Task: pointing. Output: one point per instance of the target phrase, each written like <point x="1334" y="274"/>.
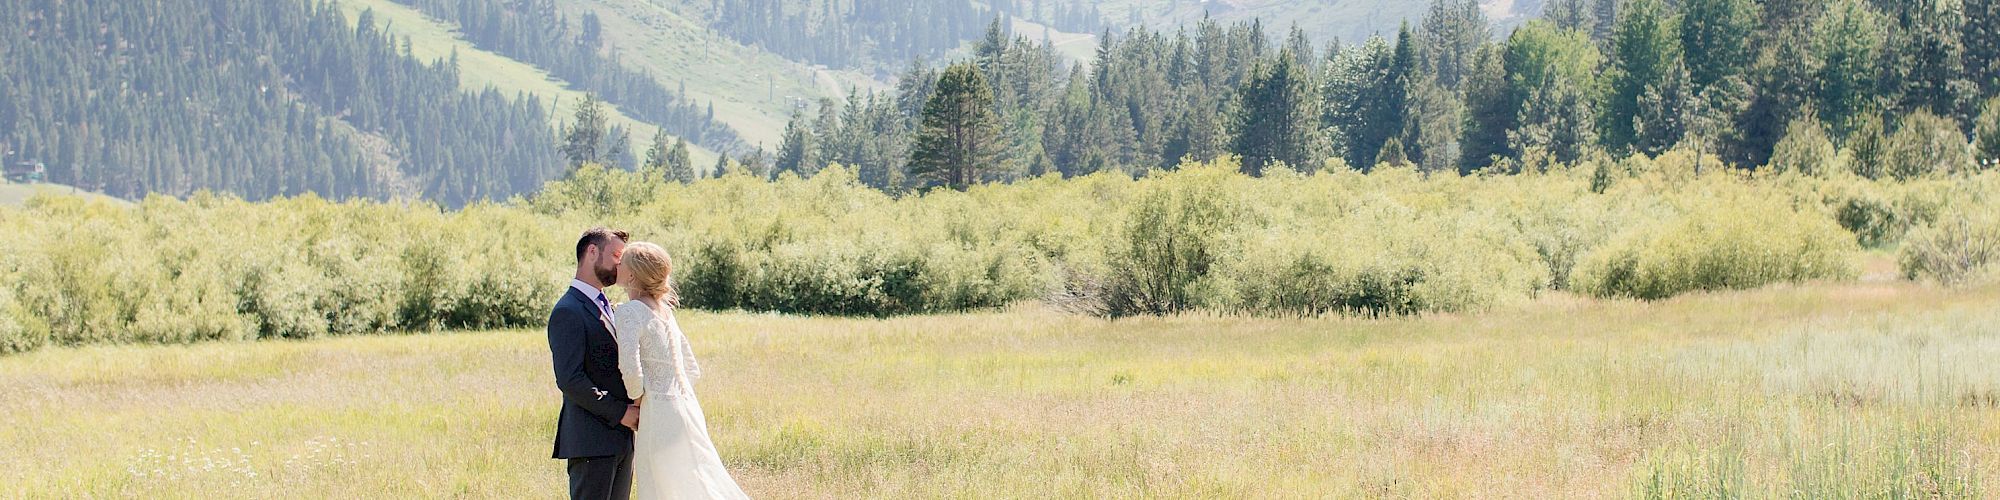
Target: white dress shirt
<point x="596" y="297"/>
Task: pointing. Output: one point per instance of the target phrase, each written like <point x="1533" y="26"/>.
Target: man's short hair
<point x="598" y="236"/>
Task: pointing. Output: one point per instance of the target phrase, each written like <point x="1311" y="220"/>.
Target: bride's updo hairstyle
<point x="652" y="272"/>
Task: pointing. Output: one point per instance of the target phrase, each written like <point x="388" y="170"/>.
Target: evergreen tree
<point x="795" y="149"/>
<point x="1716" y="39"/>
<point x="1453" y="31"/>
<point x="1575" y="15"/>
<point x="1432" y="127"/>
<point x="1349" y="97"/>
<point x="957" y="139"/>
<point x="585" y="137"/>
<point x="1490" y="111"/>
<point x="721" y="166"/>
<point x="1664" y="110"/>
<point x="1847" y="44"/>
<point x="656" y="154"/>
<point x="679" y="165"/>
<point x="1384" y="101"/>
<point x="1644" y="50"/>
<point x="1277" y="119"/>
<point x="1927" y="61"/>
<point x="1981" y="40"/>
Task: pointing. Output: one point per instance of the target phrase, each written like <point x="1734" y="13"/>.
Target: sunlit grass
<point x="1863" y="390"/>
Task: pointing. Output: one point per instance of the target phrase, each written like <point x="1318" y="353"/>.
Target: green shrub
<point x="1806" y="150"/>
<point x="1961" y="247"/>
<point x="1867" y="148"/>
<point x="1388" y="242"/>
<point x="1171" y="240"/>
<point x="1927" y="145"/>
<point x="1716" y="245"/>
<point x="13" y="335"/>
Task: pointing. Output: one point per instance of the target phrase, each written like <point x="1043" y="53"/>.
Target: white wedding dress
<point x="673" y="457"/>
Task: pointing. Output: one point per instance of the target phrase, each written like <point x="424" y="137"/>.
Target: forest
<point x="1878" y="88"/>
<point x="261" y="99"/>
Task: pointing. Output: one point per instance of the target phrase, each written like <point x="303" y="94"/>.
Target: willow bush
<point x="1962" y="245"/>
<point x="1202" y="238"/>
<point x="1719" y="231"/>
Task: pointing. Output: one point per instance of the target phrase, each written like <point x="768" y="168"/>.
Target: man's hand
<point x="631" y="420"/>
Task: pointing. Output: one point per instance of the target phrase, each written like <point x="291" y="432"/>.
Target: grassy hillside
<point x="754" y="91"/>
<point x="1831" y="391"/>
<point x="431" y="39"/>
<point x="12" y="195"/>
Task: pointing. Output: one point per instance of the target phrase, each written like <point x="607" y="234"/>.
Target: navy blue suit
<point x="588" y="432"/>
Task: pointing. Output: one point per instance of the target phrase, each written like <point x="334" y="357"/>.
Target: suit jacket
<point x="586" y="368"/>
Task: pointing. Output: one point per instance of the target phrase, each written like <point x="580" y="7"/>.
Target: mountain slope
<point x="258" y="99"/>
<point x="754" y="91"/>
<point x="479" y="69"/>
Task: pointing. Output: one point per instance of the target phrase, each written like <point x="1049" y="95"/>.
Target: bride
<point x="672" y="454"/>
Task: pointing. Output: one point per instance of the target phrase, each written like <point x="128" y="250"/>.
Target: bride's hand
<point x="631" y="420"/>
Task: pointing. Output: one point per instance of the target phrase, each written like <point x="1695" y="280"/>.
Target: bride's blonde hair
<point x="652" y="272"/>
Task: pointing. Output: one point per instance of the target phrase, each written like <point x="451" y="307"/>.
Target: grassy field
<point x="1877" y="389"/>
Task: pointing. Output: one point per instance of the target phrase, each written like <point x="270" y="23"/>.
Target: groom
<point x="594" y="431"/>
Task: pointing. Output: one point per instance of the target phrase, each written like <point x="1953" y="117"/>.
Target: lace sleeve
<point x="630" y="332"/>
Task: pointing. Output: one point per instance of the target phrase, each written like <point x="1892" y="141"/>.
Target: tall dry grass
<point x="1859" y="390"/>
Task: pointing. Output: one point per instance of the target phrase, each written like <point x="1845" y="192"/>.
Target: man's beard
<point x="607" y="276"/>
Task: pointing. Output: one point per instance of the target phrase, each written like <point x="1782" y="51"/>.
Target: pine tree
<point x="679" y="165"/>
<point x="1664" y="109"/>
<point x="1575" y="15"/>
<point x="1277" y="119"/>
<point x="1490" y="111"/>
<point x="1716" y="38"/>
<point x="1928" y="60"/>
<point x="584" y="138"/>
<point x="1645" y="47"/>
<point x="1384" y="101"/>
<point x="1981" y="39"/>
<point x="1847" y="44"/>
<point x="795" y="149"/>
<point x="1453" y="31"/>
<point x="958" y="139"/>
<point x="656" y="154"/>
<point x="721" y="166"/>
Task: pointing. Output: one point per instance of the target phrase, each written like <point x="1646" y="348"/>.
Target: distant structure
<point x="28" y="172"/>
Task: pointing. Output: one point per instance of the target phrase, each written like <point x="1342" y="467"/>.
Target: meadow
<point x="1628" y="328"/>
<point x="1879" y="389"/>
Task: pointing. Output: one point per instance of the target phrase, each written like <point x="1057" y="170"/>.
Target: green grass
<point x="479" y="69"/>
<point x="1872" y="389"/>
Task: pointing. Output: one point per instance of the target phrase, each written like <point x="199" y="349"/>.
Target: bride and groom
<point x="626" y="375"/>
